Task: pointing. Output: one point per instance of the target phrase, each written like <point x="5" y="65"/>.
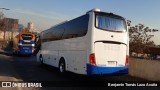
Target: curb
<point x="8" y="53"/>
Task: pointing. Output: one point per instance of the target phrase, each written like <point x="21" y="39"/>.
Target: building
<point x="20" y="27"/>
<point x="9" y="29"/>
<point x="30" y="27"/>
<point x="10" y="24"/>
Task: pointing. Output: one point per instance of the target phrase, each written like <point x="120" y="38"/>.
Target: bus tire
<point x="41" y="60"/>
<point x="62" y="68"/>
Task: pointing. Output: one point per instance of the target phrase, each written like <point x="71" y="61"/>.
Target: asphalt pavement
<point x="27" y="69"/>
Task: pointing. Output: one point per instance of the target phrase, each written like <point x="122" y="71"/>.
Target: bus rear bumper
<point x="23" y="53"/>
<point x="91" y="70"/>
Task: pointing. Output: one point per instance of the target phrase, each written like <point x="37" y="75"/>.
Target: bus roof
<point x="96" y="10"/>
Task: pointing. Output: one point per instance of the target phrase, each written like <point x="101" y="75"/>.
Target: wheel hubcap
<point x="61" y="67"/>
<point x="41" y="60"/>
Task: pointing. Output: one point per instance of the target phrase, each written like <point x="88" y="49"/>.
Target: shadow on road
<point x="6" y="53"/>
<point x="29" y="70"/>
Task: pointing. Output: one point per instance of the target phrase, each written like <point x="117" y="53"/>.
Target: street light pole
<point x="1" y="13"/>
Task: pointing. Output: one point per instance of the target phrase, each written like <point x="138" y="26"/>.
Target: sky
<point x="46" y="13"/>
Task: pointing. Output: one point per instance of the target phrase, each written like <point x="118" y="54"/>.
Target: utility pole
<point x="1" y="12"/>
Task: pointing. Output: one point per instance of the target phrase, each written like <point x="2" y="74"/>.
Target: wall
<point x="8" y="35"/>
<point x="1" y="35"/>
<point x="146" y="69"/>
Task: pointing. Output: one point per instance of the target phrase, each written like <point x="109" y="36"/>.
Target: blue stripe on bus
<point x="23" y="52"/>
<point x="91" y="70"/>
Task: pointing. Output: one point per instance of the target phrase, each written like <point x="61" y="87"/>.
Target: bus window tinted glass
<point x="77" y="27"/>
<point x="108" y="23"/>
<point x="26" y="37"/>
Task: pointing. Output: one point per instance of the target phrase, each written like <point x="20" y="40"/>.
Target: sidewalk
<point x="8" y="53"/>
<point x="7" y="72"/>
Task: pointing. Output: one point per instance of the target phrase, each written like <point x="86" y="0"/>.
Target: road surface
<point x="27" y="69"/>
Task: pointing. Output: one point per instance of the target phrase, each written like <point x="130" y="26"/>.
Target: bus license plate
<point x="112" y="63"/>
<point x="26" y="50"/>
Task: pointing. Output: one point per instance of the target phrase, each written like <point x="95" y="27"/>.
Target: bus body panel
<point x="110" y="55"/>
<point x="92" y="70"/>
<point x="108" y="48"/>
<point x="25" y="50"/>
<point x="72" y="50"/>
<point x="75" y="61"/>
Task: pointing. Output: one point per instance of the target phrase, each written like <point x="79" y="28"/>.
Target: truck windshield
<point x="110" y="23"/>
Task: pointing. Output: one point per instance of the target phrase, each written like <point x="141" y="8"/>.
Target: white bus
<point x="94" y="43"/>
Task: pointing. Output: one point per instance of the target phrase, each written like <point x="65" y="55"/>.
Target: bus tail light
<point x="33" y="50"/>
<point x="19" y="49"/>
<point x="127" y="60"/>
<point x="92" y="59"/>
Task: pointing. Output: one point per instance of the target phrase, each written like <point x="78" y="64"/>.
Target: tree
<point x="1" y="20"/>
<point x="140" y="38"/>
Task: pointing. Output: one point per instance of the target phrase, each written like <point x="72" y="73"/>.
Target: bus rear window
<point x="26" y="37"/>
<point x="110" y="23"/>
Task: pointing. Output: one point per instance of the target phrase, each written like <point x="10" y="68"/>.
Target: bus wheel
<point x="41" y="60"/>
<point x="62" y="68"/>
